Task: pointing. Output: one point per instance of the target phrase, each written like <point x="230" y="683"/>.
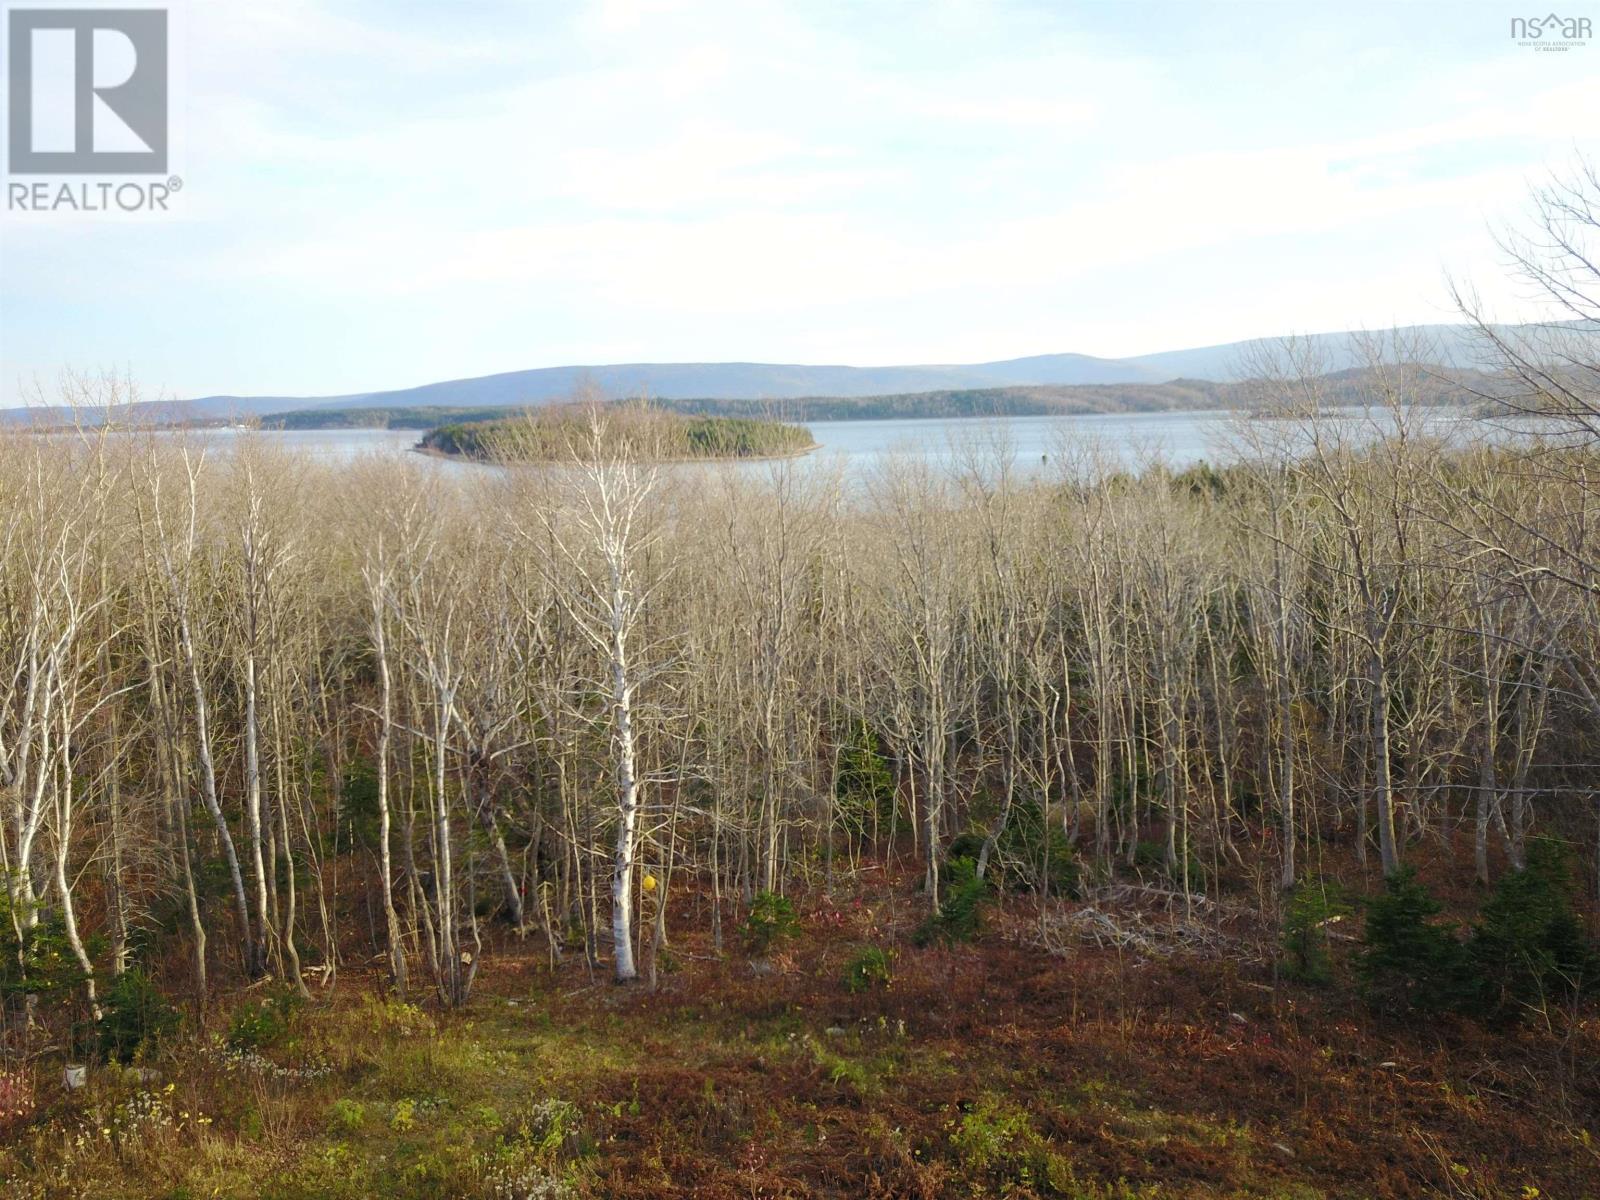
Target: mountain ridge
<point x="759" y="381"/>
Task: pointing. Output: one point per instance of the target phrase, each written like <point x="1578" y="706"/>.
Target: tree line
<point x="259" y="713"/>
<point x="273" y="712"/>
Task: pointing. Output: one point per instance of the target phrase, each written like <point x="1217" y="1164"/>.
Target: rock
<point x="74" y="1077"/>
<point x="834" y="1031"/>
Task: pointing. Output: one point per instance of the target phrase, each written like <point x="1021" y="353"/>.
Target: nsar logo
<point x="1551" y="32"/>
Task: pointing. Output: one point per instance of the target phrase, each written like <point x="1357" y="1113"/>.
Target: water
<point x="1128" y="439"/>
<point x="1182" y="438"/>
<point x="860" y="448"/>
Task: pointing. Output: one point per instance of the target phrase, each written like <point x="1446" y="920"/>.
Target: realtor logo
<point x="87" y="91"/>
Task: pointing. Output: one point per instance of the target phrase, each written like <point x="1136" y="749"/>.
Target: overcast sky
<point x="379" y="194"/>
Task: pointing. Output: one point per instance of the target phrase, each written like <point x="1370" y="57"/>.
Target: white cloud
<point x="786" y="180"/>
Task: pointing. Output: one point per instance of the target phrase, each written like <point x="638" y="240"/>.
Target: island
<point x="635" y="430"/>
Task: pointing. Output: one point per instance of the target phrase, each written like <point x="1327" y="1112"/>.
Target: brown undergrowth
<point x="989" y="1069"/>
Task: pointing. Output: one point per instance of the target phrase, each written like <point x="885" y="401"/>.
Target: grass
<point x="984" y="1071"/>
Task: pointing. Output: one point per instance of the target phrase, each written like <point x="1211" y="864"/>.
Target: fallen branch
<point x="1138" y="920"/>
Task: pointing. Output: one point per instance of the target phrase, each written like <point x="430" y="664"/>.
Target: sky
<point x="383" y="193"/>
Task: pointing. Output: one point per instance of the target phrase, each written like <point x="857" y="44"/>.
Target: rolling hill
<point x="752" y="381"/>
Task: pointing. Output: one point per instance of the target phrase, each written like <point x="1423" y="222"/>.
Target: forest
<point x="590" y="828"/>
<point x="631" y="430"/>
<point x="264" y="725"/>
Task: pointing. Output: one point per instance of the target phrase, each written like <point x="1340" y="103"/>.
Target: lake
<point x="1180" y="439"/>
